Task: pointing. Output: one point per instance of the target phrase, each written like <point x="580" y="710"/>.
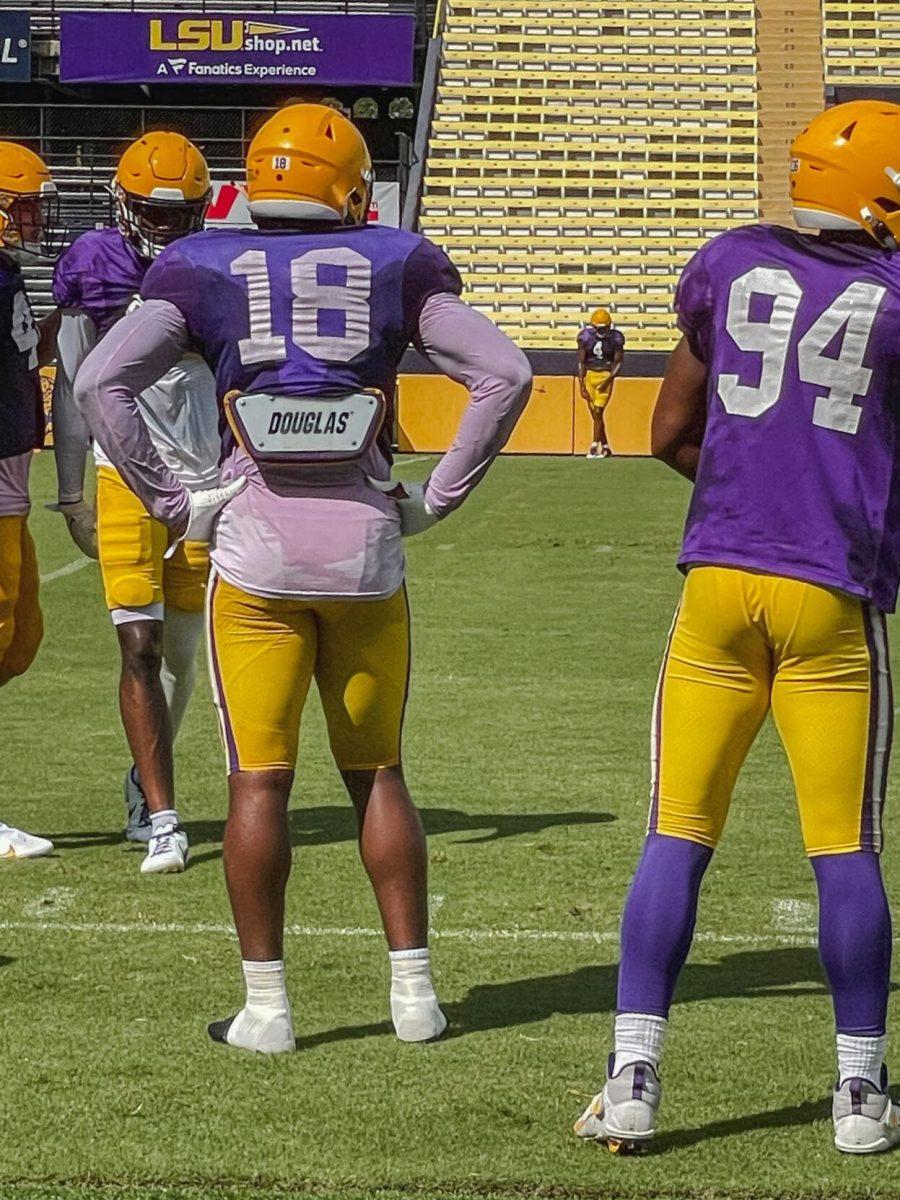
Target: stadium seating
<point x="558" y="178"/>
<point x="861" y="42"/>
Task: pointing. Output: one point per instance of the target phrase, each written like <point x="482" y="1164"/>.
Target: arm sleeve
<point x="134" y="354"/>
<point x="694" y="304"/>
<point x="471" y="350"/>
<point x="71" y="436"/>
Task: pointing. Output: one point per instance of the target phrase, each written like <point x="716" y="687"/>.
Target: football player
<point x="304" y="321"/>
<point x="601" y="349"/>
<point x="29" y="208"/>
<point x="155" y="598"/>
<point x="790" y="358"/>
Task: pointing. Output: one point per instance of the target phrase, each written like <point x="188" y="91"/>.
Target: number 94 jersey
<point x="302" y="312"/>
<point x="799" y="473"/>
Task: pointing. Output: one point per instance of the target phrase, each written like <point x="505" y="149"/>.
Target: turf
<point x="540" y="611"/>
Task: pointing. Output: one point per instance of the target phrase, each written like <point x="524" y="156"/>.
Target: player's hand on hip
<point x="415" y="514"/>
<point x="81" y="522"/>
<point x="206" y="504"/>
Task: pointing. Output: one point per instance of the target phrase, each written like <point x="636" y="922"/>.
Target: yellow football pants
<point x="21" y="622"/>
<point x="599" y="386"/>
<point x="741" y="644"/>
<point x="132" y="548"/>
<point x="264" y="653"/>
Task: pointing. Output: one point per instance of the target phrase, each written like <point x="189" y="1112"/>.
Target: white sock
<point x="860" y="1057"/>
<point x="639" y="1038"/>
<point x="415" y="1010"/>
<point x="159" y="820"/>
<point x="264" y="1023"/>
<point x="178" y="674"/>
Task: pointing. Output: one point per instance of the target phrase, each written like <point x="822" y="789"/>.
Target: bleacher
<point x="579" y="155"/>
<point x="861" y="42"/>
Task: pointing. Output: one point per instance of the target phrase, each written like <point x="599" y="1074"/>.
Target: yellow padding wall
<point x="556" y="421"/>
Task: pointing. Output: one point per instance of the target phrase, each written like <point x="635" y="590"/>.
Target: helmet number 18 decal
<point x="310" y="296"/>
<point x="843" y="378"/>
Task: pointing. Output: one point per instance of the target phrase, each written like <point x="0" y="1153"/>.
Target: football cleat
<point x="417" y="1020"/>
<point x="259" y="1030"/>
<point x="137" y="826"/>
<point x="15" y="843"/>
<point x="592" y="453"/>
<point x="167" y="852"/>
<point x="866" y="1121"/>
<point x="623" y="1115"/>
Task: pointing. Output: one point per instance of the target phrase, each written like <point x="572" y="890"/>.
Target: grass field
<point x="540" y="613"/>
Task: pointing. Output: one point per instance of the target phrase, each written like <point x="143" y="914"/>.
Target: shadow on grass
<point x="590" y="991"/>
<point x="776" y="1118"/>
<point x="333" y="824"/>
<point x="5" y="960"/>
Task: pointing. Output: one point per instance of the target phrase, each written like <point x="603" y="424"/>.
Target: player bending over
<point x="28" y="225"/>
<point x="304" y="322"/>
<point x="601" y="349"/>
<point x="155" y="598"/>
<point x="791" y="354"/>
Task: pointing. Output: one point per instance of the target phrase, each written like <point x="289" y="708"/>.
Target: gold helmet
<point x="29" y="203"/>
<point x="308" y="162"/>
<point x="162" y="191"/>
<point x="845" y="170"/>
<point x="600" y="317"/>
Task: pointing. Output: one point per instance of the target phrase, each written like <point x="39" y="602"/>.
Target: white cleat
<point x="137" y="827"/>
<point x="623" y="1115"/>
<point x="15" y="843"/>
<point x="256" y="1029"/>
<point x="417" y="1018"/>
<point x="592" y="453"/>
<point x="866" y="1121"/>
<point x="167" y="852"/>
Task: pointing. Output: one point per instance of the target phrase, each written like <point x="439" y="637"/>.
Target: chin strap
<point x="878" y="230"/>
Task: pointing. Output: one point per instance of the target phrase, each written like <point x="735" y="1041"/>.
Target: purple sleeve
<point x="172" y="278"/>
<point x="66" y="289"/>
<point x="427" y="272"/>
<point x="471" y="350"/>
<point x="618" y="340"/>
<point x="134" y="354"/>
<point x="693" y="303"/>
<point x="586" y="340"/>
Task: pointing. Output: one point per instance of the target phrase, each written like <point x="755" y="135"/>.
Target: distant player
<point x="155" y="598"/>
<point x="304" y="322"/>
<point x="601" y="349"/>
<point x="28" y="216"/>
<point x="791" y="356"/>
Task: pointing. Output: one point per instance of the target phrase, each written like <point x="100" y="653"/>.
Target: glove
<point x="415" y="514"/>
<point x="206" y="504"/>
<point x="81" y="522"/>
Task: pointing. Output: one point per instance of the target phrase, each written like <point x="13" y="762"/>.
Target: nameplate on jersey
<point x="305" y="429"/>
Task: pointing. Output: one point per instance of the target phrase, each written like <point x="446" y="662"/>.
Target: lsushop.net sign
<point x="105" y="47"/>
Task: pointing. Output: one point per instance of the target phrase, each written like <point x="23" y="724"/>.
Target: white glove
<point x="206" y="504"/>
<point x="415" y="514"/>
<point x="81" y="522"/>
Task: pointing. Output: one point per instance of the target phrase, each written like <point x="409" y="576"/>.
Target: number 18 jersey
<point x="799" y="474"/>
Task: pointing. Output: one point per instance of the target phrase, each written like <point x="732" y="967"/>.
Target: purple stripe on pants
<point x="230" y="744"/>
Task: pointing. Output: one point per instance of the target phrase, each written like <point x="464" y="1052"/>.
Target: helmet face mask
<point x="151" y="223"/>
<point x="29" y="205"/>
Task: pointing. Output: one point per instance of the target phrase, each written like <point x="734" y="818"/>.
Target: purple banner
<point x="108" y="47"/>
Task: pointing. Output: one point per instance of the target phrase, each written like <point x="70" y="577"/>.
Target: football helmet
<point x="162" y="190"/>
<point x="309" y="163"/>
<point x="600" y="317"/>
<point x="845" y="170"/>
<point x="29" y="203"/>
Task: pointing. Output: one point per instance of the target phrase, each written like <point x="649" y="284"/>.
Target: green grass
<point x="540" y="613"/>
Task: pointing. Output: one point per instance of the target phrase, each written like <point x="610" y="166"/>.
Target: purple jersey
<point x="99" y="274"/>
<point x="798" y="474"/>
<point x="600" y="349"/>
<point x="303" y="313"/>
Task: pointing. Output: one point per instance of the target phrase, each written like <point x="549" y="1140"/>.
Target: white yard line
<point x="360" y="931"/>
<point x="407" y="462"/>
<point x="69" y="569"/>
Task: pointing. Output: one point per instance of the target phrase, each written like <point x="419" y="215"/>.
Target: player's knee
<point x="141" y="646"/>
